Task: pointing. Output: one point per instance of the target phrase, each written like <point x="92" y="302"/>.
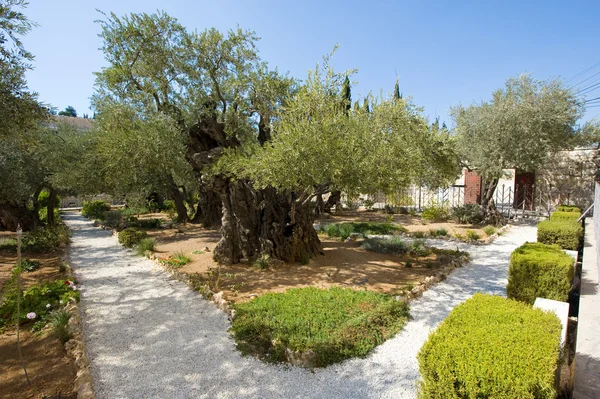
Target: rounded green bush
<point x="131" y="236"/>
<point x="566" y="234"/>
<point x="539" y="270"/>
<point x="491" y="347"/>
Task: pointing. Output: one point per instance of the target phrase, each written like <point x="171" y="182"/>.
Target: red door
<point x="524" y="190"/>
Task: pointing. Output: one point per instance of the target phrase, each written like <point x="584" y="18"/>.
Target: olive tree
<point x="518" y="128"/>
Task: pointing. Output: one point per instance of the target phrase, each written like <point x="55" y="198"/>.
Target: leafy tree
<point x="21" y="115"/>
<point x="69" y="111"/>
<point x="518" y="128"/>
<point x="261" y="148"/>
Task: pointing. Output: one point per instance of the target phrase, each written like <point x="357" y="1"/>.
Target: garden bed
<point x="50" y="369"/>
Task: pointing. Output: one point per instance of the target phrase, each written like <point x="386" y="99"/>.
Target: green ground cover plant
<point x="539" y="270"/>
<point x="491" y="347"/>
<point x="344" y="230"/>
<point x="336" y="323"/>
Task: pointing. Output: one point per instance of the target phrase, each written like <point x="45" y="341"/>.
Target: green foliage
<point x="131" y="236"/>
<point x="43" y="205"/>
<point x="567" y="208"/>
<point x="149" y="223"/>
<point x="59" y="323"/>
<point x="28" y="265"/>
<point x="419" y="234"/>
<point x="69" y="111"/>
<point x="178" y="259"/>
<point x="498" y="134"/>
<point x="8" y="244"/>
<point x="441" y="232"/>
<point x="539" y="270"/>
<point x="565" y="234"/>
<point x="336" y="324"/>
<point x="145" y="245"/>
<point x="45" y="239"/>
<point x="491" y="347"/>
<point x="472" y="235"/>
<point x="418" y="248"/>
<point x="468" y="214"/>
<point x="35" y="299"/>
<point x="489" y="230"/>
<point x="392" y="245"/>
<point x="564" y="216"/>
<point x="344" y="230"/>
<point x="95" y="209"/>
<point x="436" y="213"/>
<point x="263" y="262"/>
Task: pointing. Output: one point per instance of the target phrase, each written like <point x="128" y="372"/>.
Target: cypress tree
<point x="347" y="95"/>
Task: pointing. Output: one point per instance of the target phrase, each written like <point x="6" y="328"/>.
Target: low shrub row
<point x="564" y="216"/>
<point x="95" y="209"/>
<point x="492" y="347"/>
<point x="539" y="270"/>
<point x="131" y="236"/>
<point x="333" y="324"/>
<point x="47" y="238"/>
<point x="564" y="233"/>
<point x="567" y="208"/>
<point x="344" y="230"/>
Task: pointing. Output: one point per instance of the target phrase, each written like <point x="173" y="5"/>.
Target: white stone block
<point x="561" y="309"/>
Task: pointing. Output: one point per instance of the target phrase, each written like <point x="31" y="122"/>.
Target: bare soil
<point x="50" y="369"/>
<point x="343" y="264"/>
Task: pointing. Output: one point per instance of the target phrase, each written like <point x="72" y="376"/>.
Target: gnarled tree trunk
<point x="208" y="209"/>
<point x="334" y="199"/>
<point x="177" y="196"/>
<point x="50" y="207"/>
<point x="12" y="214"/>
<point x="264" y="222"/>
<point x="490" y="212"/>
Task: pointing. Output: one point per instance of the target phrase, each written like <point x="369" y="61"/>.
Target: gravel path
<point x="149" y="336"/>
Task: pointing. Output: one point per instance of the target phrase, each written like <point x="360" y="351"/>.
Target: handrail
<point x="585" y="213"/>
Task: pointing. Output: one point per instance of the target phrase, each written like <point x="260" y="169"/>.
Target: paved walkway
<point x="587" y="358"/>
<point x="149" y="336"/>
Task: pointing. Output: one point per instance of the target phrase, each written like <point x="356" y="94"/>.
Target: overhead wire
<point x="583" y="72"/>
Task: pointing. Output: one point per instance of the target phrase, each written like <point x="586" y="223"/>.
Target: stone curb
<point x="75" y="347"/>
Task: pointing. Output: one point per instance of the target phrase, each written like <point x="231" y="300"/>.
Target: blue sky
<point x="443" y="52"/>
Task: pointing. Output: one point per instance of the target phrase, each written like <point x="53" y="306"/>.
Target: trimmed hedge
<point x="492" y="347"/>
<point x="567" y="216"/>
<point x="131" y="236"/>
<point x="539" y="270"/>
<point x="563" y="233"/>
<point x="566" y="208"/>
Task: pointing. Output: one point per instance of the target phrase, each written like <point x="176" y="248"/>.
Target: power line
<point x="587" y="89"/>
<point x="591" y="99"/>
<point x="583" y="72"/>
<point x="584" y="80"/>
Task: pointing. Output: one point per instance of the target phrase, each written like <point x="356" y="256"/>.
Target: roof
<point x="77" y="123"/>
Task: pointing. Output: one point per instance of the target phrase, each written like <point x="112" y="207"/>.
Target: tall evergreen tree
<point x="397" y="94"/>
<point x="346" y="94"/>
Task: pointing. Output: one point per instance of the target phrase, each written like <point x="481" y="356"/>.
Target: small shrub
<point x="63" y="267"/>
<point x="149" y="223"/>
<point x="113" y="218"/>
<point x="344" y="230"/>
<point x="95" y="209"/>
<point x="436" y="213"/>
<point x="145" y="245"/>
<point x="539" y="270"/>
<point x="8" y="244"/>
<point x="262" y="262"/>
<point x="419" y="234"/>
<point x="489" y="230"/>
<point x="408" y="264"/>
<point x="459" y="236"/>
<point x="564" y="216"/>
<point x="392" y="245"/>
<point x="133" y="211"/>
<point x="59" y="323"/>
<point x="336" y="324"/>
<point x="442" y="232"/>
<point x="472" y="235"/>
<point x="468" y="214"/>
<point x="28" y="265"/>
<point x="131" y="236"/>
<point x="418" y="248"/>
<point x="565" y="234"/>
<point x="566" y="208"/>
<point x="491" y="347"/>
<point x="44" y="239"/>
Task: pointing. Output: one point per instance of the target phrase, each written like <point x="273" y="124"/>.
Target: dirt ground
<point x="343" y="264"/>
<point x="50" y="369"/>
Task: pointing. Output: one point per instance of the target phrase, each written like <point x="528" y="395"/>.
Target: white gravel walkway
<point x="149" y="336"/>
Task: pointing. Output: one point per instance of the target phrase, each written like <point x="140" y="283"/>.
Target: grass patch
<point x="59" y="323"/>
<point x="335" y="324"/>
<point x="28" y="265"/>
<point x="198" y="252"/>
<point x="441" y="232"/>
<point x="472" y="235"/>
<point x="262" y="262"/>
<point x="489" y="230"/>
<point x="145" y="245"/>
<point x="8" y="244"/>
